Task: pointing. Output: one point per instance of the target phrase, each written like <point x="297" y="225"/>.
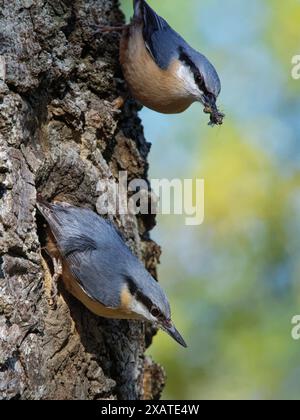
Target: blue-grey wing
<point x="97" y="275"/>
<point x="162" y="41"/>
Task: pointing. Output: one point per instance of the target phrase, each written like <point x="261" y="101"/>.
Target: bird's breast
<point x="158" y="89"/>
<point x="95" y="306"/>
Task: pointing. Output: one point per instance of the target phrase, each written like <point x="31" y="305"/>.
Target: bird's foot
<point x="216" y="117"/>
<point x="119" y="102"/>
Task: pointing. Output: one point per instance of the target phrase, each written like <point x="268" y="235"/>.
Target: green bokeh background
<point x="234" y="281"/>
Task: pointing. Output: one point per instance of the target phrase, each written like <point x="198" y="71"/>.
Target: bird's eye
<point x="200" y="81"/>
<point x="155" y="312"/>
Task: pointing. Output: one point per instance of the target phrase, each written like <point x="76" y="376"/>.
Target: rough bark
<point x="59" y="136"/>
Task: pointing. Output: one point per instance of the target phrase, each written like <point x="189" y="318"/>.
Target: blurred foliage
<point x="234" y="281"/>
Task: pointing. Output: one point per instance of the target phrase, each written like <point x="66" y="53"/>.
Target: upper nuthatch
<point x="163" y="72"/>
<point x="100" y="270"/>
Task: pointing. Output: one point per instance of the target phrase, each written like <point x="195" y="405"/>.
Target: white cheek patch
<point x="187" y="78"/>
<point x="139" y="309"/>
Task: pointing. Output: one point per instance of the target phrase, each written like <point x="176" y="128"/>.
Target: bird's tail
<point x="44" y="207"/>
<point x="138" y="8"/>
<point x="50" y="212"/>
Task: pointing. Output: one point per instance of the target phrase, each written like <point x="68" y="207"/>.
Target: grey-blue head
<point x="203" y="79"/>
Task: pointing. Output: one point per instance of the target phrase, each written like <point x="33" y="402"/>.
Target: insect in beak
<point x="216" y="117"/>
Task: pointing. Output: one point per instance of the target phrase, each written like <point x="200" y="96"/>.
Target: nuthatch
<point x="98" y="268"/>
<point x="162" y="70"/>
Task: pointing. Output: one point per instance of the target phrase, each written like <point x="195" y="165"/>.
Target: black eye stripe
<point x="131" y="285"/>
<point x="198" y="77"/>
<point x="200" y="82"/>
<point x="143" y="299"/>
<point x="139" y="295"/>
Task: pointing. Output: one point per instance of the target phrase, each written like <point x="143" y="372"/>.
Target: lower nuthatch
<point x="100" y="270"/>
<point x="162" y="70"/>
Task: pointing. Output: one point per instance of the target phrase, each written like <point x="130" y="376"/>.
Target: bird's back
<point x="90" y="247"/>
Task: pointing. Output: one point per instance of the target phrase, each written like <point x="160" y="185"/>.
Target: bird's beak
<point x="172" y="331"/>
<point x="209" y="103"/>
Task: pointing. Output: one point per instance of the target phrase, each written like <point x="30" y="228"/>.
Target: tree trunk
<point x="59" y="135"/>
